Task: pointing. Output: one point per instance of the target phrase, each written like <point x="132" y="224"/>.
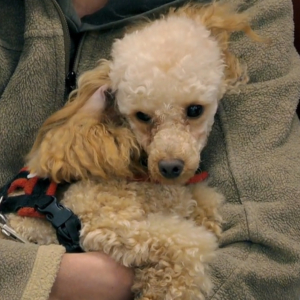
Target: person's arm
<point x="27" y="271"/>
<point x="91" y="276"/>
<point x="31" y="272"/>
<point x="257" y="166"/>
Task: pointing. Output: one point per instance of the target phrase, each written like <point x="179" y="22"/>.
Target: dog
<point x="155" y="102"/>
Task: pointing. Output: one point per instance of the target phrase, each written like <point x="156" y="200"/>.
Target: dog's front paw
<point x="212" y="225"/>
<point x="207" y="212"/>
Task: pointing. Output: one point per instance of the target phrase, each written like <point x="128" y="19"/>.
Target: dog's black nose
<point x="170" y="168"/>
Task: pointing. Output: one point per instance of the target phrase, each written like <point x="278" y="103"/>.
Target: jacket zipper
<point x="70" y="75"/>
<point x="78" y="52"/>
<point x="71" y="80"/>
<point x="67" y="38"/>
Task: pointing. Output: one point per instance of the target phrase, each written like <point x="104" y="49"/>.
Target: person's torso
<point x="39" y="68"/>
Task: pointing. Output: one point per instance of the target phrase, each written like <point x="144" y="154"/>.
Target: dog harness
<point x="38" y="200"/>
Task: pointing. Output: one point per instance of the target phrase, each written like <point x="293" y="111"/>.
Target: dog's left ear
<point x="222" y="20"/>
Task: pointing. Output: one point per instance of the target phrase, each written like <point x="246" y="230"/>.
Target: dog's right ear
<point x="61" y="140"/>
<point x="96" y="104"/>
<point x="90" y="81"/>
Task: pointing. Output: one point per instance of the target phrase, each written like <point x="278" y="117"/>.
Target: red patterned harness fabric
<point x="27" y="185"/>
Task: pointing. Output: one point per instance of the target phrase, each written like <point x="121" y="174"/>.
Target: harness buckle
<point x="55" y="212"/>
<point x="67" y="224"/>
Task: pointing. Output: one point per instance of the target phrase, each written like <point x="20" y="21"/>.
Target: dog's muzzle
<point x="173" y="156"/>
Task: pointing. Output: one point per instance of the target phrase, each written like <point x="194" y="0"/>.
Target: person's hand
<point x="91" y="276"/>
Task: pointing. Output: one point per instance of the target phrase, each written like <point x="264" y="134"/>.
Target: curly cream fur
<point x="166" y="232"/>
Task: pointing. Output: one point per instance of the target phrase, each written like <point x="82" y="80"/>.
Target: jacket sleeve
<point x="253" y="156"/>
<point x="28" y="271"/>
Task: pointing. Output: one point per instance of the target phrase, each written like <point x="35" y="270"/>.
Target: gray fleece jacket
<point x="253" y="154"/>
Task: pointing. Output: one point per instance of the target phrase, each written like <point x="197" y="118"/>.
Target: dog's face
<point x="167" y="77"/>
<point x="168" y="80"/>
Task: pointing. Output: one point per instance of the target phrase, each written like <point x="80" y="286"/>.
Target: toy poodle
<point x="128" y="142"/>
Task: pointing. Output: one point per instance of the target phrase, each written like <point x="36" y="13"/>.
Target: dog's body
<point x="164" y="106"/>
<point x="158" y="229"/>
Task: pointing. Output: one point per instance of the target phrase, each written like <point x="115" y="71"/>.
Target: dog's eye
<point x="142" y="117"/>
<point x="194" y="111"/>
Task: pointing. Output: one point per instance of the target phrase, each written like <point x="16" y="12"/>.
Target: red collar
<point x="198" y="178"/>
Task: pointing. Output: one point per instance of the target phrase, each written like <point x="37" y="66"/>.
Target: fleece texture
<point x="28" y="271"/>
<point x="32" y="72"/>
<point x="253" y="153"/>
<point x="253" y="157"/>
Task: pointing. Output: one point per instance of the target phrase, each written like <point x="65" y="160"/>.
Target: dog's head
<point x="87" y="137"/>
<point x="168" y="77"/>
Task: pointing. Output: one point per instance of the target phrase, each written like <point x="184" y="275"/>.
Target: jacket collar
<point x="115" y="14"/>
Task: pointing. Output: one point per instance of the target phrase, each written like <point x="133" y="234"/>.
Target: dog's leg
<point x="207" y="211"/>
<point x="170" y="254"/>
<point x="169" y="281"/>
